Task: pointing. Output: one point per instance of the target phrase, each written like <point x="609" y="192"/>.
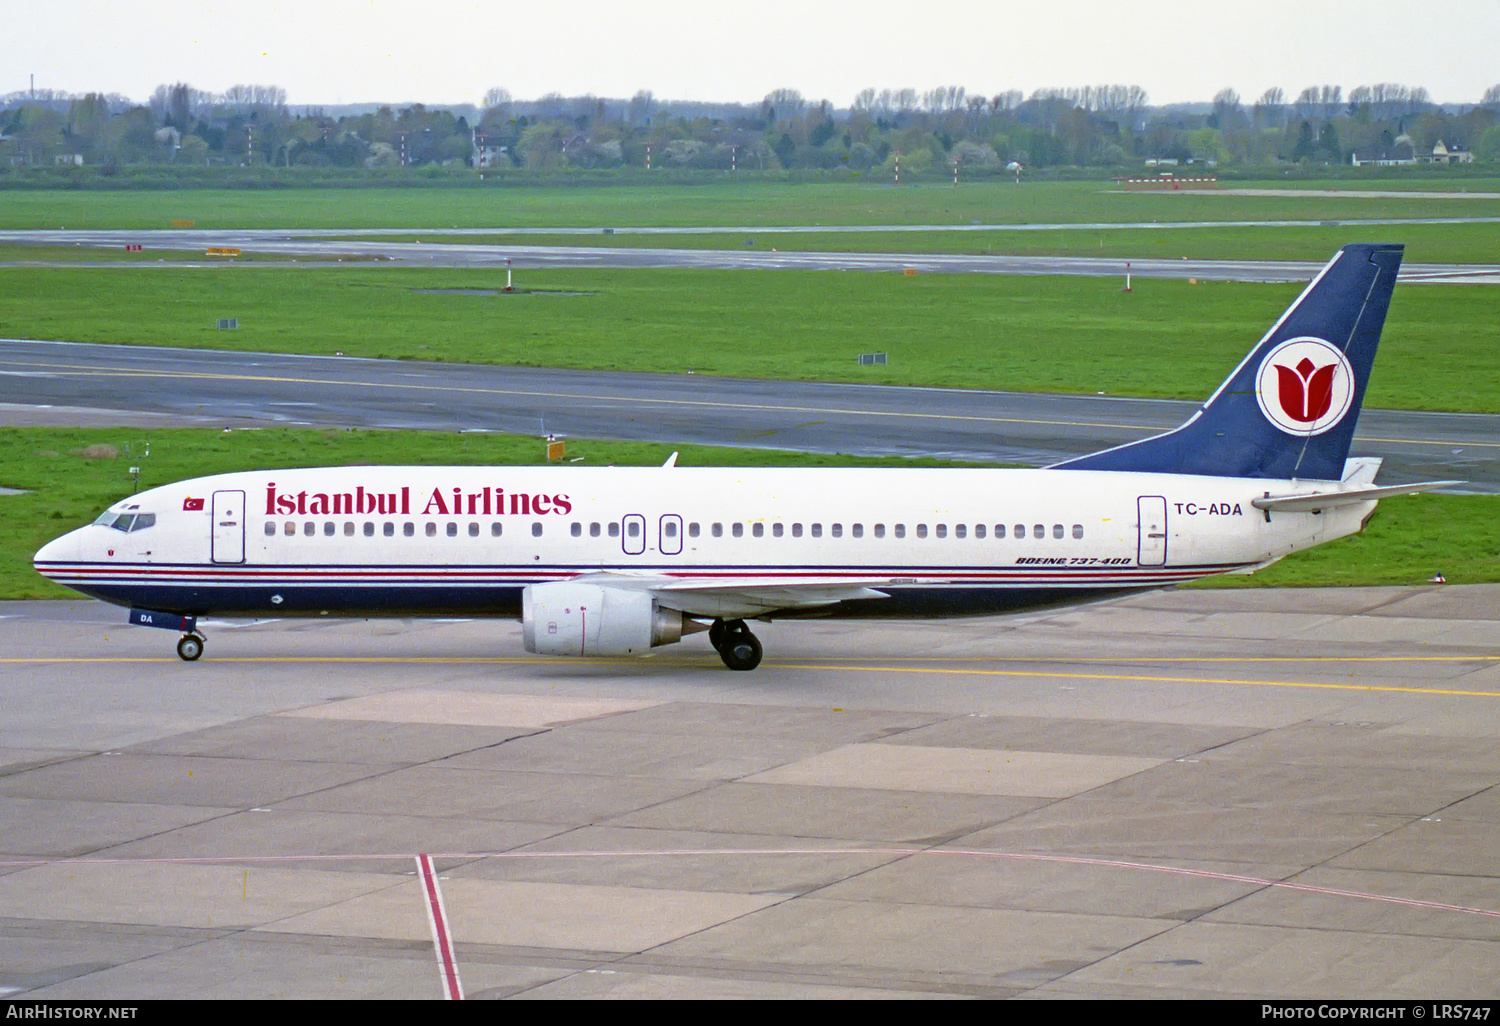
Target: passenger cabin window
<point x="1057" y="530"/>
<point x="536" y="529"/>
<point x="759" y="530"/>
<point x="777" y="530"/>
<point x="452" y="529"/>
<point x="431" y="529"/>
<point x="837" y="530"/>
<point x="796" y="530"/>
<point x="900" y="530"/>
<point x="473" y="530"/>
<point x="921" y="530"/>
<point x="576" y="530"/>
<point x="1039" y="531"/>
<point x="1077" y="530"/>
<point x="369" y="529"/>
<point x="389" y="529"/>
<point x="817" y="530"/>
<point x="495" y="529"/>
<point x="408" y="529"/>
<point x="737" y="529"/>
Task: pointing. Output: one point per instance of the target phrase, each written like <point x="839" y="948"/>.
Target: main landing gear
<point x="739" y="649"/>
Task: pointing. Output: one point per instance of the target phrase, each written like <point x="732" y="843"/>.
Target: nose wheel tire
<point x="739" y="649"/>
<point x="189" y="647"/>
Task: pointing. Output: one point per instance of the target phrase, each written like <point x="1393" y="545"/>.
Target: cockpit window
<point x="127" y="522"/>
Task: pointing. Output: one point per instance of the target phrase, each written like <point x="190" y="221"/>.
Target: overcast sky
<point x="452" y="51"/>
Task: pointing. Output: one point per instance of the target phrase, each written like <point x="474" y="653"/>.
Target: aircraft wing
<point x="1313" y="502"/>
<point x="738" y="597"/>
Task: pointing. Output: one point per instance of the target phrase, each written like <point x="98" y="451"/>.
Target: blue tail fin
<point x="1290" y="408"/>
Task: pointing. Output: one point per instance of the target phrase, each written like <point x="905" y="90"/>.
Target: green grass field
<point x="1078" y="335"/>
<point x="731" y="204"/>
<point x="69" y="475"/>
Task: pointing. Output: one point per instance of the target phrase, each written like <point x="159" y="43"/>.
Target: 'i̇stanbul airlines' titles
<point x="403" y="501"/>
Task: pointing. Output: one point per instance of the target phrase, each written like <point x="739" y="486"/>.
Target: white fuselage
<point x="466" y="540"/>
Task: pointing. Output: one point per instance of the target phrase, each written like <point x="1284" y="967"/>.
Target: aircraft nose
<point x="59" y="550"/>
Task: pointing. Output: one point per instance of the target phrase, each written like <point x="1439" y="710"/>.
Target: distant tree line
<point x="927" y="132"/>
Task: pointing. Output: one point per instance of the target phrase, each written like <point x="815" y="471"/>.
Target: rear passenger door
<point x="1152" y="547"/>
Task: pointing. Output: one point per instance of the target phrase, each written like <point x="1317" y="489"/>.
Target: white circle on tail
<point x="1305" y="386"/>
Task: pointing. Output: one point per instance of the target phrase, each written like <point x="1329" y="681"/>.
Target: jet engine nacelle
<point x="589" y="620"/>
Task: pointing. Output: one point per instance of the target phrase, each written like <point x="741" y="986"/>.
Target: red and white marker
<point x="442" y="936"/>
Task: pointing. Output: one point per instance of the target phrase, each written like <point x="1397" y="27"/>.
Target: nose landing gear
<point x="189" y="647"/>
<point x="739" y="649"/>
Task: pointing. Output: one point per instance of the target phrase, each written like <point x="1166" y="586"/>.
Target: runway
<point x="330" y="245"/>
<point x="1231" y="794"/>
<point x="65" y="383"/>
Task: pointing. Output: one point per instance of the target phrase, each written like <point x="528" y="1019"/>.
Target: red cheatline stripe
<point x="442" y="937"/>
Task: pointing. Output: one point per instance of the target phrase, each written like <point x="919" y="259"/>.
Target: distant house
<point x="1442" y="154"/>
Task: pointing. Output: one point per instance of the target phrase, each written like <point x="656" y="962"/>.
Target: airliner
<point x="615" y="561"/>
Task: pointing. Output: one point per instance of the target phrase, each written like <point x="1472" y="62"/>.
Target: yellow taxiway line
<point x="835" y="666"/>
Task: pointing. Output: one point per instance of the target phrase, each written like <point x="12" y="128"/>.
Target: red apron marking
<point x="442" y="937"/>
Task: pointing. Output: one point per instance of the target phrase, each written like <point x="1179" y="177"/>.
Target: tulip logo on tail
<point x="1305" y="386"/>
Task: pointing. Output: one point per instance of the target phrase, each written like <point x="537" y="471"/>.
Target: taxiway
<point x="1183" y="794"/>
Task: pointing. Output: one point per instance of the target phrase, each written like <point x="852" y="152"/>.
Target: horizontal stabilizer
<point x="1314" y="502"/>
